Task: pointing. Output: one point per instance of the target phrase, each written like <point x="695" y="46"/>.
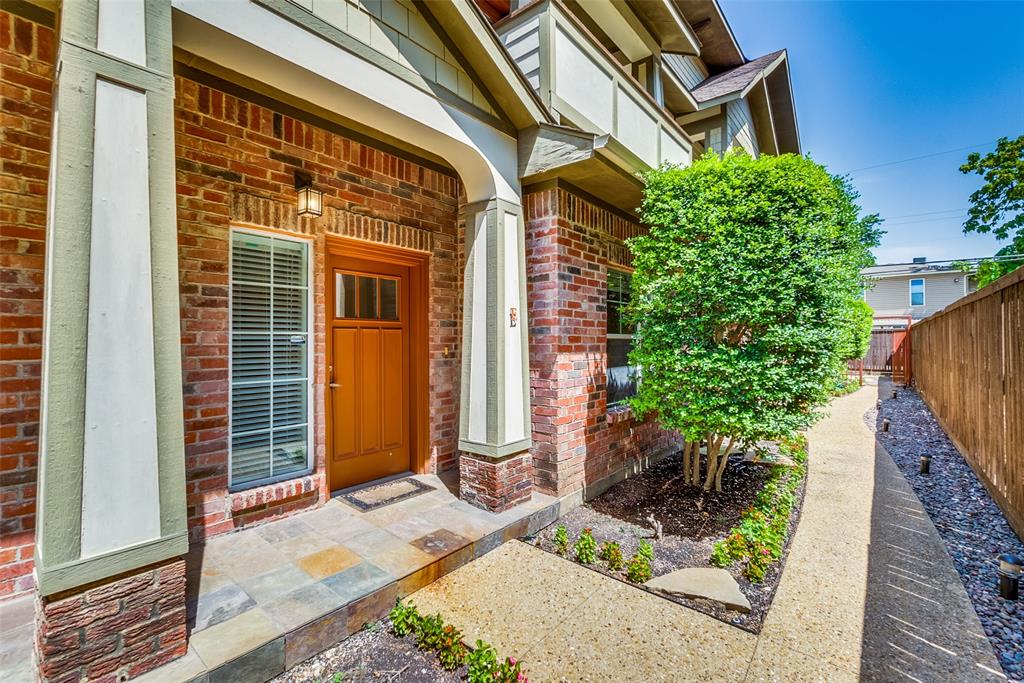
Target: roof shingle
<point x="734" y="80"/>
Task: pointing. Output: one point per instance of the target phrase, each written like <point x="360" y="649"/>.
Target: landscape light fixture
<point x="309" y="201"/>
<point x="1009" y="576"/>
<point x="894" y="393"/>
<point x="926" y="464"/>
<point x="885" y="425"/>
<point x="878" y="404"/>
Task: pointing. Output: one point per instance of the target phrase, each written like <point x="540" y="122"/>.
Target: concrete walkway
<point x="868" y="593"/>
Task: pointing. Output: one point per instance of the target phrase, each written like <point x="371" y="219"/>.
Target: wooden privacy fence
<point x="888" y="353"/>
<point x="968" y="363"/>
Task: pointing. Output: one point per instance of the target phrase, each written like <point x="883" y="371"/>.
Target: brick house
<point x="185" y="352"/>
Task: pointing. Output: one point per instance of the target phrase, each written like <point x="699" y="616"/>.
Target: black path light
<point x="885" y="424"/>
<point x="926" y="463"/>
<point x="878" y="404"/>
<point x="894" y="393"/>
<point x="1009" y="576"/>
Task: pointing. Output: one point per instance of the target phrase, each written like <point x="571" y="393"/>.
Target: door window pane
<point x="344" y="295"/>
<point x="388" y="299"/>
<point x="269" y="358"/>
<point x="367" y="297"/>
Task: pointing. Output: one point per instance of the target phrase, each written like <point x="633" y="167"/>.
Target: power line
<point x="923" y="156"/>
<point x="927" y="213"/>
<point x="975" y="259"/>
<point x="926" y="220"/>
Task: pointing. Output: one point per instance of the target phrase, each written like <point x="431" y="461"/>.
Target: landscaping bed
<point x="373" y="654"/>
<point x="960" y="508"/>
<point x="692" y="522"/>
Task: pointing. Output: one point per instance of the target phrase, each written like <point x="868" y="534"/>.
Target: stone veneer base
<point x="113" y="630"/>
<point x="495" y="484"/>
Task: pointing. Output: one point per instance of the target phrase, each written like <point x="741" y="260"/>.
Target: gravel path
<point x="971" y="525"/>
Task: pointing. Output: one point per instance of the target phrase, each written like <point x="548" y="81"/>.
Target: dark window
<point x="622" y="377"/>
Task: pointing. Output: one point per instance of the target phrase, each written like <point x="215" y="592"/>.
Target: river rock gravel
<point x="971" y="525"/>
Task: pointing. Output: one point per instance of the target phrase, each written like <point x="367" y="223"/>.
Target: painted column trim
<point x="61" y="563"/>
<point x="495" y="401"/>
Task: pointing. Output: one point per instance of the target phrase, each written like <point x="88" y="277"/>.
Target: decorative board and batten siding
<point x="397" y="30"/>
<point x="690" y="70"/>
<point x="523" y="44"/>
<point x="584" y="86"/>
<point x="740" y="125"/>
<point x="891" y="295"/>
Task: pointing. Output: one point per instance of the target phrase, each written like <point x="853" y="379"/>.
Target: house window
<point x="621" y="376"/>
<point x="270" y="359"/>
<point x="917" y="292"/>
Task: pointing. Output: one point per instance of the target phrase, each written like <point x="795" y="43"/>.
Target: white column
<point x="495" y="419"/>
<point x="111" y="484"/>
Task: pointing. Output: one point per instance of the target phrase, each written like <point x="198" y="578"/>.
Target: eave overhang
<point x="719" y="48"/>
<point x="666" y="23"/>
<point x="480" y="46"/>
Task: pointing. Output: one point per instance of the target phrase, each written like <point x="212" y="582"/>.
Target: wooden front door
<point x="369" y="370"/>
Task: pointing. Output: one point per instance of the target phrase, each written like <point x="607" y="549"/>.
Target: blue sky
<point x="877" y="82"/>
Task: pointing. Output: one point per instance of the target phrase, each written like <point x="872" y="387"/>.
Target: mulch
<point x="692" y="521"/>
<point x="373" y="654"/>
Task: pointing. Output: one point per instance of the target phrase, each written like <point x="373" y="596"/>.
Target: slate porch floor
<point x="263" y="599"/>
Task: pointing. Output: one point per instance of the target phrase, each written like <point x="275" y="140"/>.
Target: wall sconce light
<point x="310" y="201"/>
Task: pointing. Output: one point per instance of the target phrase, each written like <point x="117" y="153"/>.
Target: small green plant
<point x="482" y="662"/>
<point x="510" y="671"/>
<point x="585" y="548"/>
<point x="646" y="551"/>
<point x="451" y="653"/>
<point x="430" y="632"/>
<point x="760" y="537"/>
<point x="561" y="540"/>
<point x="639" y="569"/>
<point x="611" y="553"/>
<point x="404" y="618"/>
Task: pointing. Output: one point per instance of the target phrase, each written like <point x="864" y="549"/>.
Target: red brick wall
<point x="227" y="147"/>
<point x="570" y="243"/>
<point x="114" y="630"/>
<point x="26" y="79"/>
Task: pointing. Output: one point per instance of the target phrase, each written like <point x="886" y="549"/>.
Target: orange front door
<point x="368" y="370"/>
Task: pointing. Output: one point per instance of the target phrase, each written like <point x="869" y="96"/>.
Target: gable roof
<point x="737" y="80"/>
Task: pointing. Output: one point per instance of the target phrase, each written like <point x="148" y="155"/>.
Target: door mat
<point x="379" y="495"/>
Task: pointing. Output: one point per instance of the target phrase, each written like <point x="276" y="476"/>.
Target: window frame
<point x="628" y="272"/>
<point x="924" y="297"/>
<point x="310" y="356"/>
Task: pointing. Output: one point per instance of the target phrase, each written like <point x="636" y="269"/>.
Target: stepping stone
<point x="708" y="583"/>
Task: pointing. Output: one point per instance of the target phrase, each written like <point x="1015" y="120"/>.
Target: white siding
<point x="891" y="296"/>
<point x="741" y="126"/>
<point x="397" y="30"/>
<point x="637" y="129"/>
<point x="523" y="44"/>
<point x="583" y="85"/>
<point x="689" y="69"/>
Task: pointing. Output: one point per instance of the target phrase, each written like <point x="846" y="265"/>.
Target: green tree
<point x="998" y="206"/>
<point x="987" y="271"/>
<point x="739" y="293"/>
<point x="857" y="322"/>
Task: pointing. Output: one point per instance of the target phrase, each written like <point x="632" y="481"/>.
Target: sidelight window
<point x="622" y="377"/>
<point x="270" y="359"/>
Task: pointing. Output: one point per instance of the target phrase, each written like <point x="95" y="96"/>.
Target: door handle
<point x="331" y="383"/>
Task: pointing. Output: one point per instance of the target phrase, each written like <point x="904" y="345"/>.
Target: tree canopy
<point x="998" y="206"/>
<point x="743" y="294"/>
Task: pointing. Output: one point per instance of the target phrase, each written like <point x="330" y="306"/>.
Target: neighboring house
<point x="289" y="247"/>
<point x="915" y="289"/>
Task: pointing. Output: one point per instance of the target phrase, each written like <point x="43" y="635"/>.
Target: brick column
<point x="111" y="495"/>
